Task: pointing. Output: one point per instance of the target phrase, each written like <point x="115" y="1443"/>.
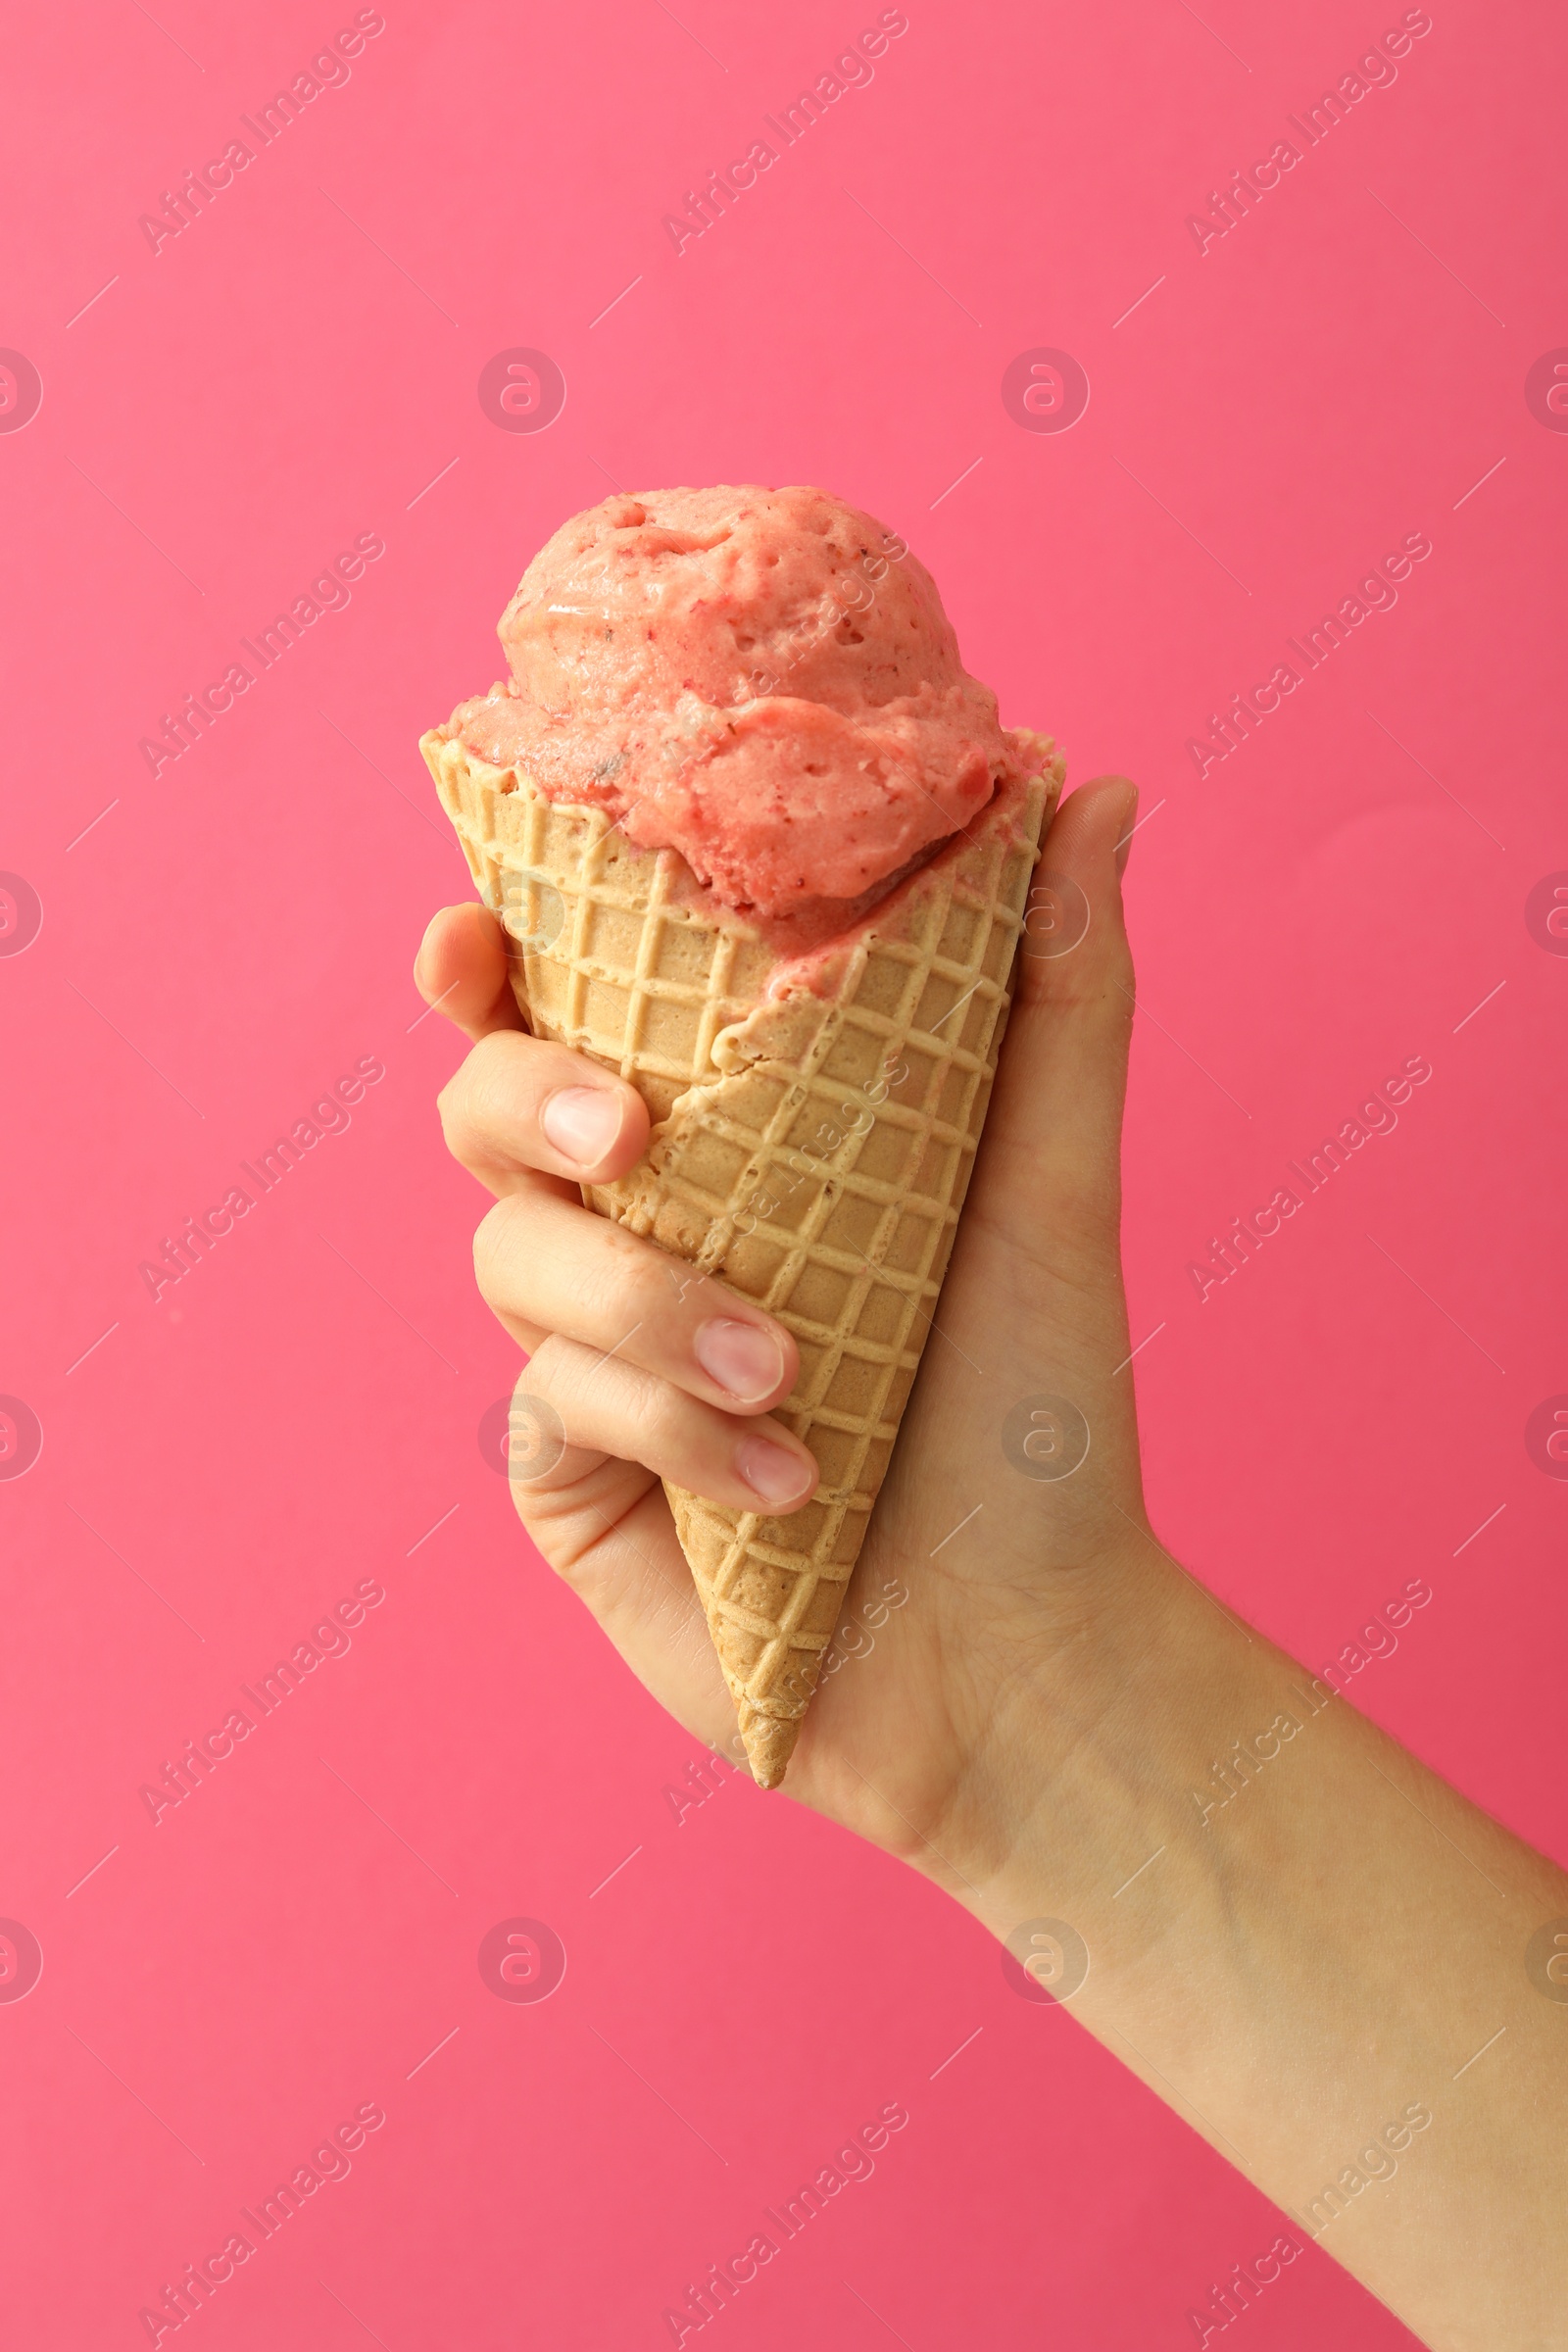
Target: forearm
<point x="1306" y="1954"/>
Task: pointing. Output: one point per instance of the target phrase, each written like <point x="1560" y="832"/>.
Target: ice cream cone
<point x="811" y="1147"/>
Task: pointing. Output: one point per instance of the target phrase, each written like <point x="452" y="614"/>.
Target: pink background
<point x="220" y="942"/>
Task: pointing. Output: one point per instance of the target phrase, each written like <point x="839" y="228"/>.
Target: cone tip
<point x="769" y="1745"/>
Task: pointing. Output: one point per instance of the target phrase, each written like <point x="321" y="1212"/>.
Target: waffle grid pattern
<point x="857" y="1277"/>
<point x="813" y="1151"/>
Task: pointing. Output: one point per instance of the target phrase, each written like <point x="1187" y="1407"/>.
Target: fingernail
<point x="774" y="1472"/>
<point x="1124" y="835"/>
<point x="742" y="1357"/>
<point x="582" y="1123"/>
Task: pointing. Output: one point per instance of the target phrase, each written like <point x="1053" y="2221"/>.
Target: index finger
<point x="461" y="972"/>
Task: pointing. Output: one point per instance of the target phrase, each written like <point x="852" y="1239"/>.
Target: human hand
<point x="1031" y="1693"/>
<point x="1006" y="1600"/>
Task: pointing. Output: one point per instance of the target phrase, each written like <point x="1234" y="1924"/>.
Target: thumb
<point x="1053" y="1140"/>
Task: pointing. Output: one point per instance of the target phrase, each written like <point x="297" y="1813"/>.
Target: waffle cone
<point x="812" y="1149"/>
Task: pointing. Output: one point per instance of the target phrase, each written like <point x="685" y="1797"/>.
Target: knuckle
<point x="631" y="1413"/>
<point x="490" y="1075"/>
<point x="566" y="1567"/>
<point x="541" y="1375"/>
<point x="448" y="1104"/>
<point x="466" y="1101"/>
<point x="664" y="1421"/>
<point x="494" y="1241"/>
<point x="623" y="1280"/>
<point x="533" y="1506"/>
<point x="643" y="1282"/>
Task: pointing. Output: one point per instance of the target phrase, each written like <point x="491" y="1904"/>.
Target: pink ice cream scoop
<point x="763" y="680"/>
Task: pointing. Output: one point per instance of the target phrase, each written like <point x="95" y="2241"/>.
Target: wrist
<point x="1086" y="1799"/>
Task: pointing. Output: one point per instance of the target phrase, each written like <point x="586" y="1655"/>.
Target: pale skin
<point x="1296" y="1969"/>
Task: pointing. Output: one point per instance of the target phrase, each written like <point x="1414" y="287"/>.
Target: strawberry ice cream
<point x="763" y="680"/>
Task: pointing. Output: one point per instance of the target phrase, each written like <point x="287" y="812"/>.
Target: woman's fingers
<point x="1042" y="1223"/>
<point x="461" y="972"/>
<point x="523" y="1112"/>
<point x="1053" y="1133"/>
<point x="520" y="1103"/>
<point x="652" y="1363"/>
<point x="549" y="1263"/>
<point x="588" y="1404"/>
